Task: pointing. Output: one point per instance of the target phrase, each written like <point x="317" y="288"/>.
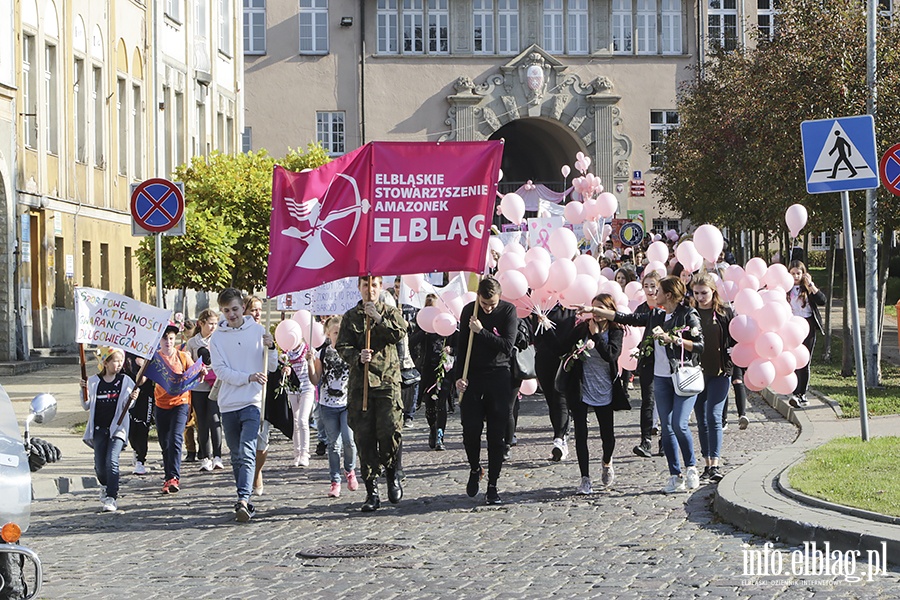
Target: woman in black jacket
<point x="589" y="385"/>
<point x="715" y="317"/>
<point x="674" y="327"/>
<point x="805" y="299"/>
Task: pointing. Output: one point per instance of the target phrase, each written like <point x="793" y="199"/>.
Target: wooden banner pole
<point x="365" y="402"/>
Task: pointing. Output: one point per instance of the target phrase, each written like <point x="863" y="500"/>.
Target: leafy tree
<point x="228" y="200"/>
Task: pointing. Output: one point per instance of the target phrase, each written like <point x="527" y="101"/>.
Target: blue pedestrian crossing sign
<point x="839" y="154"/>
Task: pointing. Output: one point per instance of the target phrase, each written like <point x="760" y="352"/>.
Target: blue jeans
<point x="674" y="412"/>
<point x="241" y="430"/>
<point x="708" y="409"/>
<point x="340" y="440"/>
<point x="106" y="460"/>
<point x="170" y="424"/>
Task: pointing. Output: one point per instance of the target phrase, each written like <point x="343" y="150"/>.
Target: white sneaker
<point x="692" y="478"/>
<point x="109" y="505"/>
<point x="217" y="463"/>
<point x="302" y="461"/>
<point x="675" y="485"/>
<point x="206" y="464"/>
<point x="139" y="468"/>
<point x="743" y="422"/>
<point x="585" y="487"/>
<point x="565" y="449"/>
<point x="557" y="452"/>
<point x="608" y="476"/>
<point x="103" y="495"/>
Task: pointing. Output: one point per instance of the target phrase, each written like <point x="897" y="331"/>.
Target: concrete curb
<point x="751" y="498"/>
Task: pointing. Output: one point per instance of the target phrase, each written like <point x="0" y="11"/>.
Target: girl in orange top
<point x="172" y="411"/>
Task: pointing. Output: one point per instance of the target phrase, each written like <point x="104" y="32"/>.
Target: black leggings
<point x="486" y="399"/>
<point x="513" y="420"/>
<point x="138" y="432"/>
<point x="579" y="420"/>
<point x="740" y="394"/>
<point x="209" y="425"/>
<point x="803" y="372"/>
<point x="435" y="398"/>
<point x="645" y="375"/>
<point x="545" y="368"/>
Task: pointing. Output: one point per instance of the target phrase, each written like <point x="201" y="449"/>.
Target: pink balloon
<point x="658" y="252"/>
<point x="777" y="276"/>
<point x="587" y="265"/>
<point x="768" y="345"/>
<point x="747" y="302"/>
<point x="455" y="305"/>
<point x="749" y="282"/>
<point x="784" y="384"/>
<point x="728" y="290"/>
<point x="510" y="261"/>
<point x="562" y="274"/>
<point x="756" y="267"/>
<point x="687" y="254"/>
<point x="794" y="331"/>
<point x="565" y="170"/>
<point x="302" y="318"/>
<point x="539" y="254"/>
<point x="607" y="204"/>
<point x="444" y="324"/>
<point x="743" y="328"/>
<point x="656" y="266"/>
<point x="425" y="318"/>
<point x="288" y="334"/>
<point x="632" y="288"/>
<point x="795" y="217"/>
<point x="318" y="334"/>
<point x="574" y="212"/>
<point x="773" y="315"/>
<point x="761" y="373"/>
<point x="513" y="284"/>
<point x="785" y="363"/>
<point x="544" y="298"/>
<point x="627" y="362"/>
<point x="734" y="273"/>
<point x="608" y="273"/>
<point x="494" y="243"/>
<point x="592" y="209"/>
<point x="512" y="206"/>
<point x="709" y="242"/>
<point x="414" y="282"/>
<point x="536" y="273"/>
<point x="563" y="243"/>
<point x="609" y="287"/>
<point x="801" y="353"/>
<point x="514" y="247"/>
<point x="528" y="387"/>
<point x="743" y="354"/>
<point x="672" y="235"/>
<point x="582" y="290"/>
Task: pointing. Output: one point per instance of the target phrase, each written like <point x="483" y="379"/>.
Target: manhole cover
<point x="350" y="551"/>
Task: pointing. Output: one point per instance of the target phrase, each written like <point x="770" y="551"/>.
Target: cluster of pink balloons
<point x="442" y="317"/>
<point x="290" y="333"/>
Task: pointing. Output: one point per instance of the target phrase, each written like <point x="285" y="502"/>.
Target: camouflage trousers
<point x="377" y="431"/>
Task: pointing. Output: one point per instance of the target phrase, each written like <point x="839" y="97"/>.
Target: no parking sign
<point x="157" y="206"/>
<point x="889" y="169"/>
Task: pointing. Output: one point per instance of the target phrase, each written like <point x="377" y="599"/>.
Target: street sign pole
<point x="854" y="313"/>
<point x="159" y="287"/>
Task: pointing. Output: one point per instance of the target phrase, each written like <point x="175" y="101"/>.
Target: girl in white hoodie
<point x="107" y="432"/>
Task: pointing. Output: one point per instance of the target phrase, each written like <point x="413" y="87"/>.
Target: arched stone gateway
<point x="527" y="102"/>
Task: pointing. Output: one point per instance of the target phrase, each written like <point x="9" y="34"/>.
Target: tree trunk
<point x="830" y="264"/>
<point x="847" y="361"/>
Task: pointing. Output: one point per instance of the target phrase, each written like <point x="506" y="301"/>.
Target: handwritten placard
<point x="332" y="298"/>
<point x="108" y="319"/>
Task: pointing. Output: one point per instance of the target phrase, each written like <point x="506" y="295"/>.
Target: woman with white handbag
<point x="676" y="343"/>
<point x="715" y="316"/>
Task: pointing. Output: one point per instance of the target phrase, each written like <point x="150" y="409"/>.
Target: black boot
<point x="373" y="502"/>
<point x="432" y="436"/>
<point x="395" y="491"/>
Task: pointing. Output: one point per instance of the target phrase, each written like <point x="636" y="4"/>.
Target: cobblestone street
<point x="544" y="541"/>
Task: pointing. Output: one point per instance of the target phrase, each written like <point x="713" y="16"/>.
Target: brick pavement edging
<point x="752" y="497"/>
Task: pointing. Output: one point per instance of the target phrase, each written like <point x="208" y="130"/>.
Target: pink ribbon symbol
<point x="544" y="238"/>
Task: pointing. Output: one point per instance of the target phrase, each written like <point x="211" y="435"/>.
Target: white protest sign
<point x="107" y="319"/>
<point x="539" y="231"/>
<point x="550" y="209"/>
<point x="332" y="298"/>
<point x="417" y="300"/>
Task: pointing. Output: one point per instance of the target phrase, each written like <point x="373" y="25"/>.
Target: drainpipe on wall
<point x="362" y="73"/>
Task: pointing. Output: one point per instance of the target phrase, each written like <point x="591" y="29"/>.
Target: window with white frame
<point x="137" y="127"/>
<point x="670" y="19"/>
<point x="622" y="31"/>
<point x="247" y="140"/>
<point x="122" y="124"/>
<point x="330" y="132"/>
<point x="220" y="132"/>
<point x="413" y="26"/>
<point x="201" y="25"/>
<point x="225" y="27"/>
<point x="29" y="90"/>
<point x="97" y="99"/>
<point x="173" y="10"/>
<point x="438" y="27"/>
<point x="661" y="121"/>
<point x="483" y="26"/>
<point x="646" y="26"/>
<point x="51" y="99"/>
<point x="313" y="26"/>
<point x="577" y="15"/>
<point x="664" y="225"/>
<point x="508" y="26"/>
<point x="386" y="24"/>
<point x="180" y="139"/>
<point x="765" y="18"/>
<point x="78" y="111"/>
<point x="722" y="20"/>
<point x="553" y="26"/>
<point x="413" y="18"/>
<point x="229" y="134"/>
<point x="255" y="25"/>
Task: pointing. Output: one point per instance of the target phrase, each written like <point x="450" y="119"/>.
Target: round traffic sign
<point x="889" y="169"/>
<point x="157" y="205"/>
<point x="631" y="234"/>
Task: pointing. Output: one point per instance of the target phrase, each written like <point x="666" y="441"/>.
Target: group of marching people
<point x="355" y="384"/>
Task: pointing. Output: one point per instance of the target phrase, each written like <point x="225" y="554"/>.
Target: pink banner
<point x="387" y="208"/>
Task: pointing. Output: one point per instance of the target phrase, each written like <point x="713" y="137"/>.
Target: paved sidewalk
<point x="631" y="541"/>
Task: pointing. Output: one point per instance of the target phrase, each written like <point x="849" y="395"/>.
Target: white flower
<point x="695" y="331"/>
